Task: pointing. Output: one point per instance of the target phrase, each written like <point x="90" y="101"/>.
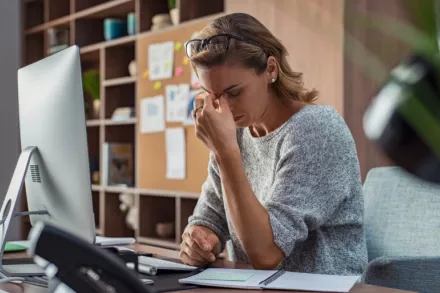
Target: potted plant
<point x="91" y="84"/>
<point x="174" y="12"/>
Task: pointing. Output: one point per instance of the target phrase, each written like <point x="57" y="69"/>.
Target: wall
<point x="312" y="32"/>
<point x="9" y="63"/>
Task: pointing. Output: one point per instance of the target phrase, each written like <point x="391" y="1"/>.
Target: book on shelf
<point x="118" y="165"/>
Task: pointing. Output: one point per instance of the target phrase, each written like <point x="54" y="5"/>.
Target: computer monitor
<point x="54" y="143"/>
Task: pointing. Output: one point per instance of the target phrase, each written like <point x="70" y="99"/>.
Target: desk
<point x="359" y="288"/>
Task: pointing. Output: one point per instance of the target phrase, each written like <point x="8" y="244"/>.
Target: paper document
<point x="312" y="282"/>
<point x="152" y="114"/>
<point x="177" y="102"/>
<point x="175" y="153"/>
<point x="229" y="278"/>
<point x="160" y="60"/>
<point x="275" y="280"/>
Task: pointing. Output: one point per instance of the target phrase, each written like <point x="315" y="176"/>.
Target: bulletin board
<point x="151" y="147"/>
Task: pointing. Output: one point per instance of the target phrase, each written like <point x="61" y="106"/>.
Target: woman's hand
<point x="200" y="246"/>
<point x="215" y="125"/>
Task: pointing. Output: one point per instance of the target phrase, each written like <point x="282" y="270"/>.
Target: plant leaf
<point x="91" y="83"/>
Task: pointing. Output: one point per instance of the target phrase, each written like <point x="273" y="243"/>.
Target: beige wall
<point x="312" y="31"/>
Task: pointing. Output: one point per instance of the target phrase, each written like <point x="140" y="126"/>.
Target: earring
<point x="273" y="80"/>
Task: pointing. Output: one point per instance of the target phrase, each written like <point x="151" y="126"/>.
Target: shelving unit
<point x="84" y="19"/>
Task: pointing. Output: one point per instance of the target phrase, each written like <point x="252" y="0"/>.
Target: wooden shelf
<point x="118" y="89"/>
<point x="111" y="8"/>
<point x="125" y="122"/>
<point x="118" y="189"/>
<point x="166" y="193"/>
<point x="117" y="42"/>
<point x="120" y="81"/>
<point x="92" y="123"/>
<point x="159" y="242"/>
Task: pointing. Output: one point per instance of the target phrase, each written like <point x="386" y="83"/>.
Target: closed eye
<point x="234" y="93"/>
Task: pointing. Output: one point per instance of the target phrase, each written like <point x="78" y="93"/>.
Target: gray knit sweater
<point x="306" y="174"/>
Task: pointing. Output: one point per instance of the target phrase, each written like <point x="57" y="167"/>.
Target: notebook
<point x="276" y="280"/>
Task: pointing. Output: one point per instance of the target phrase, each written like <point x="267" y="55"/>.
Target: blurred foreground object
<point x="404" y="118"/>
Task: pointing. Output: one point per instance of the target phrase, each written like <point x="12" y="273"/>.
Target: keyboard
<point x="160" y="264"/>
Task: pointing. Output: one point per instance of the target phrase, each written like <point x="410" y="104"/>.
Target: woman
<point x="283" y="179"/>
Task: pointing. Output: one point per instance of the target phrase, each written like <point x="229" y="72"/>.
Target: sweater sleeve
<point x="312" y="181"/>
<point x="210" y="209"/>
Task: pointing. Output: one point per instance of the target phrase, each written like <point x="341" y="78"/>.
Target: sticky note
<point x="157" y="85"/>
<point x="178" y="71"/>
<point x="145" y="74"/>
<point x="185" y="60"/>
<point x="177" y="46"/>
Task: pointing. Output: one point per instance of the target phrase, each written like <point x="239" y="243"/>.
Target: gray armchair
<point x="402" y="225"/>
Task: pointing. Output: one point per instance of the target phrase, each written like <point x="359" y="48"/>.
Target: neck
<point x="275" y="115"/>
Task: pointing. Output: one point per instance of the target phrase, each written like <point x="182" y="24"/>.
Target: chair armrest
<point x="413" y="273"/>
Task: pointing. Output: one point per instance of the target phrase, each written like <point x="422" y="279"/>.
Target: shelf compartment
<point x="186" y="210"/>
<point x="117" y="60"/>
<point x="90" y="59"/>
<point x="148" y="9"/>
<point x="35" y="48"/>
<point x="58" y="9"/>
<point x="115" y="225"/>
<point x="104" y="9"/>
<point x="154" y="210"/>
<point x="119" y="133"/>
<point x="96" y="204"/>
<point x="119" y="96"/>
<point x="93" y="142"/>
<point x="192" y="9"/>
<point x="33" y="13"/>
<point x="169" y="244"/>
<point x="89" y="31"/>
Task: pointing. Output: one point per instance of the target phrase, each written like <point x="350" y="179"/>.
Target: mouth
<point x="237" y="118"/>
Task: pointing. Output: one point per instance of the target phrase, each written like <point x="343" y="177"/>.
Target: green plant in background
<point x="91" y="83"/>
<point x="171" y="4"/>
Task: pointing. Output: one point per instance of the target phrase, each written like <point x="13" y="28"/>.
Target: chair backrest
<point x="402" y="214"/>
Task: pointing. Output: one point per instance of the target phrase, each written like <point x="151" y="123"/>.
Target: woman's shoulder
<point x="320" y="124"/>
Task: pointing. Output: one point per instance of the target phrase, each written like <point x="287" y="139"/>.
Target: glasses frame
<point x="206" y="42"/>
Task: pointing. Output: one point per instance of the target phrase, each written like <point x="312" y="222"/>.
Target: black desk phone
<point x="81" y="266"/>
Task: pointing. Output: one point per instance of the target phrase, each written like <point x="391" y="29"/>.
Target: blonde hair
<point x="289" y="84"/>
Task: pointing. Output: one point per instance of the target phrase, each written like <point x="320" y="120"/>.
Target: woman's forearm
<point x="249" y="218"/>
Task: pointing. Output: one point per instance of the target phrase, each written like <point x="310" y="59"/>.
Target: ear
<point x="272" y="69"/>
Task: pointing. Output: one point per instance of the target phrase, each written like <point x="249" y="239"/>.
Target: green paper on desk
<point x="13" y="247"/>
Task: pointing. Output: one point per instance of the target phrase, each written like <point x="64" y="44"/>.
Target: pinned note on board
<point x="175" y="153"/>
<point x="177" y="102"/>
<point x="160" y="60"/>
<point x="177" y="46"/>
<point x="157" y="85"/>
<point x="185" y="60"/>
<point x="178" y="71"/>
<point x="152" y="114"/>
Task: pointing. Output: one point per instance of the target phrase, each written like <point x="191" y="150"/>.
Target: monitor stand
<point x="7" y="213"/>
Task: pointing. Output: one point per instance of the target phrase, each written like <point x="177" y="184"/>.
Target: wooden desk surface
<point x="24" y="288"/>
